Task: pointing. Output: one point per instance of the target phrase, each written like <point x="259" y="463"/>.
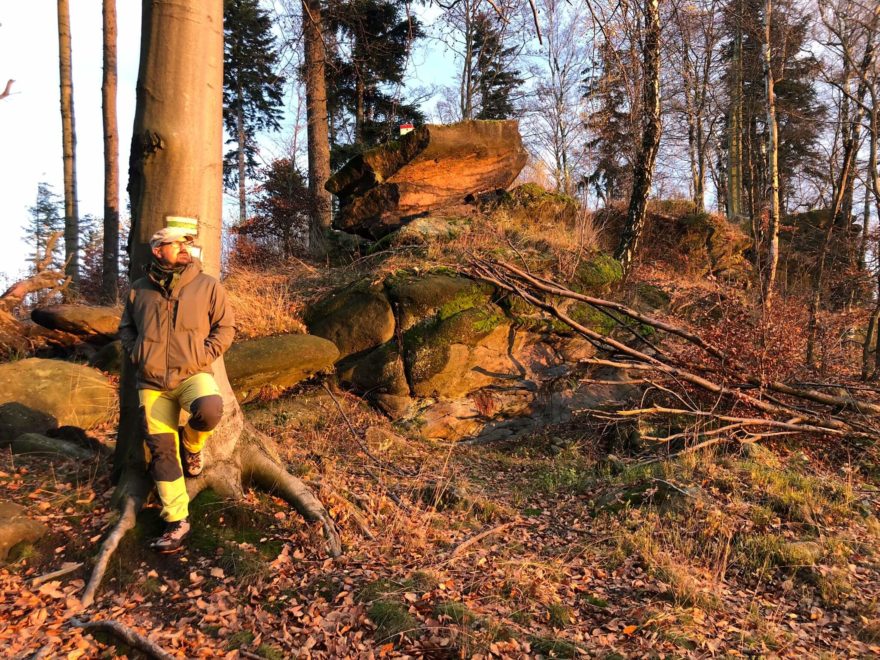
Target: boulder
<point x="450" y="357"/>
<point x="356" y="318"/>
<point x="380" y="371"/>
<point x="16" y="418"/>
<point x="73" y="394"/>
<point x="422" y="296"/>
<point x="16" y="527"/>
<point x="81" y="320"/>
<point x="280" y="361"/>
<point x="35" y="443"/>
<point x="430" y="168"/>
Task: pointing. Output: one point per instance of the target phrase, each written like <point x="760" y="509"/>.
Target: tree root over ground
<point x="773" y="408"/>
<point x="237" y="460"/>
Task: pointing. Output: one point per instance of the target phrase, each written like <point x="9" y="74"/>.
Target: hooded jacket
<point x="172" y="334"/>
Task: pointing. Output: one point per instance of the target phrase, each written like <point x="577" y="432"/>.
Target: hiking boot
<point x="191" y="462"/>
<point x="172" y="539"/>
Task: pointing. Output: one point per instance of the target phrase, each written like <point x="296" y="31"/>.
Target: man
<point x="176" y="323"/>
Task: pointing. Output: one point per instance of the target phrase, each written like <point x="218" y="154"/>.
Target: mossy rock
<point x="441" y="295"/>
<point x="438" y="353"/>
<point x="378" y="372"/>
<point x="590" y="317"/>
<point x="650" y="298"/>
<point x="597" y="274"/>
<point x="355" y="318"/>
<point x="541" y="203"/>
<point x="280" y="361"/>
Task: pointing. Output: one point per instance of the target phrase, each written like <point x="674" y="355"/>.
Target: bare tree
<point x="650" y="139"/>
<point x="68" y="136"/>
<point x="773" y="162"/>
<point x="316" y="118"/>
<point x="110" y="257"/>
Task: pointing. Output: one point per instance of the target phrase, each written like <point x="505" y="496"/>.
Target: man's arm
<point x="127" y="328"/>
<point x="222" y="324"/>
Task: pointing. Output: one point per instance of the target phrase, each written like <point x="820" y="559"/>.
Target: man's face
<point x="173" y="254"/>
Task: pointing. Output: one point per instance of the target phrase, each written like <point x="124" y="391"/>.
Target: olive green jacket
<point x="172" y="335"/>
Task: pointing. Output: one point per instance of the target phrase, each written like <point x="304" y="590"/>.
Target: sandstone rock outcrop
<point x="430" y="168"/>
<point x="280" y="361"/>
<point x="460" y="360"/>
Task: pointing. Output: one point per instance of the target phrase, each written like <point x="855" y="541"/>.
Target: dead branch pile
<point x="726" y="402"/>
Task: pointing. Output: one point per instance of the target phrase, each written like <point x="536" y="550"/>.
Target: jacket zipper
<point x="168" y="343"/>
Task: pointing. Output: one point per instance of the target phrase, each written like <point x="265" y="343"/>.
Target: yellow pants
<point x="200" y="396"/>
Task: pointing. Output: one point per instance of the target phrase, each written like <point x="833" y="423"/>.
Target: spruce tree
<point x="373" y="40"/>
<point x="253" y="89"/>
<point x="497" y="81"/>
<point x="46" y="218"/>
<point x="611" y="133"/>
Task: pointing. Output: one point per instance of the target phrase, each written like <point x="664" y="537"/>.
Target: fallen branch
<point x="476" y="539"/>
<point x="66" y="569"/>
<point x="126" y="634"/>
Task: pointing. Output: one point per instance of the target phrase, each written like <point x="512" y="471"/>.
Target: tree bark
<point x="773" y="164"/>
<point x="68" y="137"/>
<point x="735" y="133"/>
<point x="110" y="258"/>
<point x="644" y="170"/>
<point x="176" y="168"/>
<point x="316" y="119"/>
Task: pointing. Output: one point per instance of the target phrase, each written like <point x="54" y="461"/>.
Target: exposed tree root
<point x="254" y="460"/>
<point x="127" y="635"/>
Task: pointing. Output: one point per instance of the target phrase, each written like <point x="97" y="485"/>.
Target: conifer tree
<point x="373" y="41"/>
<point x="497" y="80"/>
<point x="46" y="218"/>
<point x="253" y="89"/>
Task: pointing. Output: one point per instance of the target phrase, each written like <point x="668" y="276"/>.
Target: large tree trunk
<point x="176" y="168"/>
<point x="68" y="137"/>
<point x="316" y="118"/>
<point x="773" y="164"/>
<point x="110" y="258"/>
<point x="644" y="169"/>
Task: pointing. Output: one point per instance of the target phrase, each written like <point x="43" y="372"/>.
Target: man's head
<point x="171" y="246"/>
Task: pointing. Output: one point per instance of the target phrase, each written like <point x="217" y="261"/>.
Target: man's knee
<point x="206" y="412"/>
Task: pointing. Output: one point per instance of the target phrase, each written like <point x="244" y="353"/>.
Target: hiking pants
<point x="199" y="396"/>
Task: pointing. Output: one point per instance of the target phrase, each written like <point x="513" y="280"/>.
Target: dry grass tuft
<point x="264" y="302"/>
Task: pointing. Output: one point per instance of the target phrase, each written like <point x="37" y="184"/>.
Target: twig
<point x="360" y="442"/>
<point x="67" y="567"/>
<point x="126" y="634"/>
<point x="476" y="539"/>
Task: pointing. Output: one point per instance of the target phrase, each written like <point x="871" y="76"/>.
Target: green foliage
<point x="496" y="80"/>
<point x="253" y="89"/>
<point x="46" y="218"/>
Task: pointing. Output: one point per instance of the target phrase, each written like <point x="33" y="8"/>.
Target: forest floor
<point x="545" y="547"/>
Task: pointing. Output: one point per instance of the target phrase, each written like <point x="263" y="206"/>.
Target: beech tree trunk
<point x="643" y="172"/>
<point x="110" y="258"/>
<point x="773" y="164"/>
<point x="316" y="119"/>
<point x="68" y="137"/>
<point x="734" y="134"/>
<point x="176" y="168"/>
